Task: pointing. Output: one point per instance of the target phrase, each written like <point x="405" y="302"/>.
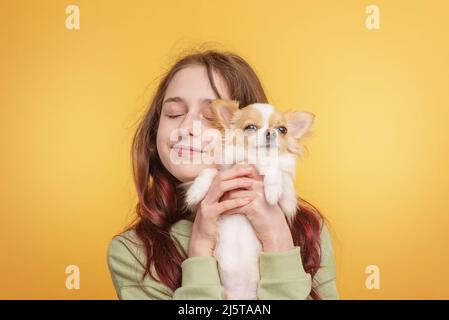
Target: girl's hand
<point x="204" y="230"/>
<point x="269" y="222"/>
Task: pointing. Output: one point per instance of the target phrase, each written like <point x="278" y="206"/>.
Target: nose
<point x="191" y="125"/>
<point x="270" y="135"/>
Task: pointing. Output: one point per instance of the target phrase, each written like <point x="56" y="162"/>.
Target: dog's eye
<point x="282" y="130"/>
<point x="251" y="127"/>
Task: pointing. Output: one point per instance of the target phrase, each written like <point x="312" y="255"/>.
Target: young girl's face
<point x="185" y="113"/>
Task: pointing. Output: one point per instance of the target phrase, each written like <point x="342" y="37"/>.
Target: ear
<point x="224" y="111"/>
<point x="299" y="123"/>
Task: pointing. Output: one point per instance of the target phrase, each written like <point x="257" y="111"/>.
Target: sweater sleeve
<point x="200" y="280"/>
<point x="282" y="275"/>
<point x="126" y="268"/>
<point x="200" y="277"/>
<point x="326" y="278"/>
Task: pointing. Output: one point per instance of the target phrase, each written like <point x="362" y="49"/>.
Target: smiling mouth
<point x="181" y="149"/>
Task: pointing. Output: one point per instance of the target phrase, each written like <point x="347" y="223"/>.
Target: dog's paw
<point x="273" y="193"/>
<point x="199" y="188"/>
<point x="289" y="207"/>
<point x="194" y="196"/>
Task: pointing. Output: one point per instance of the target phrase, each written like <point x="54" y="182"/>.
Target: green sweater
<point x="282" y="275"/>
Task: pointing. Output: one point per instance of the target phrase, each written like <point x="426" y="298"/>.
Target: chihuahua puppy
<point x="261" y="135"/>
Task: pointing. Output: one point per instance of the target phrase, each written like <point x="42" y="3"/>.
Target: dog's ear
<point x="224" y="111"/>
<point x="299" y="123"/>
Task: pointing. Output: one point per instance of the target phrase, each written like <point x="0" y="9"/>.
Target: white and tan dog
<point x="261" y="135"/>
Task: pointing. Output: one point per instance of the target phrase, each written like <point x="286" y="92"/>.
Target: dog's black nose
<point x="270" y="135"/>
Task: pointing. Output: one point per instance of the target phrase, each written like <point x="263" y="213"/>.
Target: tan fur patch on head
<point x="248" y="115"/>
<point x="276" y="119"/>
<point x="224" y="112"/>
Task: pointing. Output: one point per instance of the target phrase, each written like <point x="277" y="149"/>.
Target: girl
<point x="167" y="253"/>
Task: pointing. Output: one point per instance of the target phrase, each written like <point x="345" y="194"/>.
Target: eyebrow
<point x="173" y="99"/>
<point x="179" y="99"/>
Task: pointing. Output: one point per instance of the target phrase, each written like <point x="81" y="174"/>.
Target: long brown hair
<point x="159" y="205"/>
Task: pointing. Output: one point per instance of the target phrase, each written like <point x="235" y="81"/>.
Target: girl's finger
<point x="255" y="174"/>
<point x="233" y="194"/>
<point x="241" y="210"/>
<point x="220" y="187"/>
<point x="227" y="205"/>
<point x="235" y="172"/>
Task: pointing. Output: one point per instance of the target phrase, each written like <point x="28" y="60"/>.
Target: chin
<point x="187" y="172"/>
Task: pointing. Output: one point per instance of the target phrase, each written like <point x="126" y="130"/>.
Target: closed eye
<point x="173" y="116"/>
<point x="208" y="118"/>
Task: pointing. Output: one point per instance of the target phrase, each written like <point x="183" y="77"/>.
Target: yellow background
<point x="378" y="159"/>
